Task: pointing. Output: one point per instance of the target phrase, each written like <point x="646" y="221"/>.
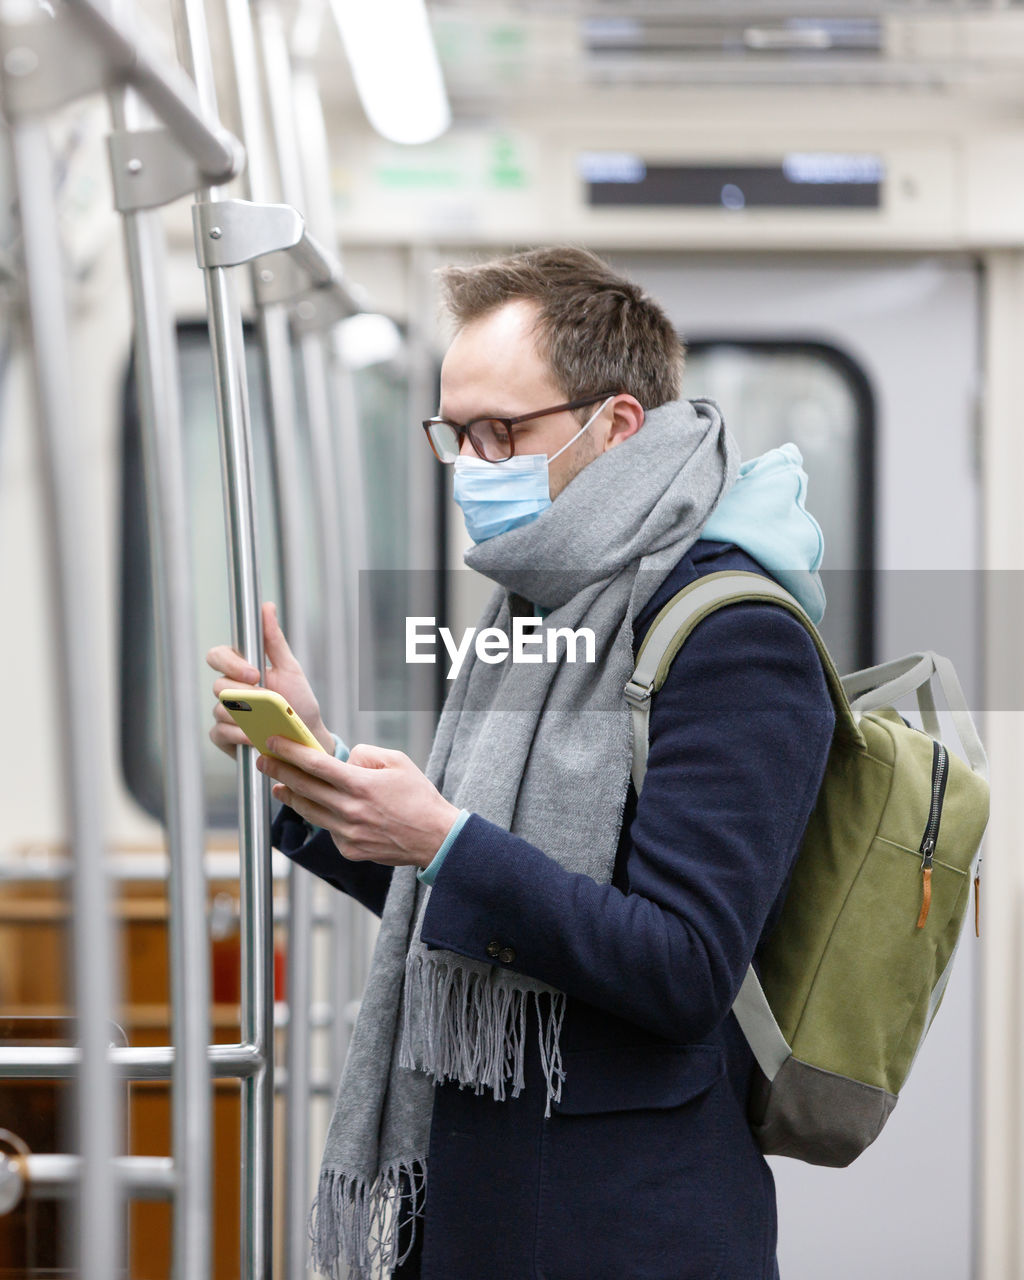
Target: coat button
<point x="506" y="955"/>
<point x="492" y="949"/>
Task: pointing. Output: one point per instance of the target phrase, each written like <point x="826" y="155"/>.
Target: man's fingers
<point x="308" y="759"/>
<point x="223" y="720"/>
<point x="303" y="806"/>
<point x="227" y="682"/>
<point x="230" y="663"/>
<point x="367" y="757"/>
<point x="228" y="737"/>
<point x="274" y="643"/>
<point x="300" y="782"/>
<point x="321" y="817"/>
<point x="370" y="757"/>
<point x="230" y="732"/>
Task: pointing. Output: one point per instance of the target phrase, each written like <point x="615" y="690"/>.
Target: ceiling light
<point x="395" y="67"/>
<point x="784" y="39"/>
<point x="369" y="338"/>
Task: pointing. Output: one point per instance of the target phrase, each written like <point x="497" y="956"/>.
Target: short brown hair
<point x="597" y="330"/>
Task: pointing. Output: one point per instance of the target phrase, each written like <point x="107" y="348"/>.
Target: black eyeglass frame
<point x="466" y="428"/>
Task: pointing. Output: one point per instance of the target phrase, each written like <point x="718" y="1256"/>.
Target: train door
<point x="872" y="367"/>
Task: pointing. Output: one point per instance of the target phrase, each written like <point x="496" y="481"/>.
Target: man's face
<point x="492" y="368"/>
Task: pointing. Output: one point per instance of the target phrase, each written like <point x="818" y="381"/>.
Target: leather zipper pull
<point x="977" y="905"/>
<point x="927" y="855"/>
<point x="926" y="900"/>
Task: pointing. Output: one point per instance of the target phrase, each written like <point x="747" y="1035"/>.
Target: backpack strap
<point x="760" y="1030"/>
<point x="881" y="685"/>
<point x="664" y="639"/>
<point x="669" y="630"/>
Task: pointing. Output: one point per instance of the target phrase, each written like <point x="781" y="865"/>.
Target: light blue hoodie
<point x="764" y="514"/>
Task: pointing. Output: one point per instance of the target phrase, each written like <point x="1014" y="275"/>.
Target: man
<point x="545" y="1079"/>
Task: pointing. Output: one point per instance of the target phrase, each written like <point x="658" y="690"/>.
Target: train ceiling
<point x="503" y="53"/>
<point x="487" y="48"/>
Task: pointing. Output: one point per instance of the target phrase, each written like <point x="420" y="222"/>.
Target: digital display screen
<point x="803" y="180"/>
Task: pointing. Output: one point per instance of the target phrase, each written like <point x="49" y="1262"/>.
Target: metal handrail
<point x="67" y="524"/>
<point x="99" y="1174"/>
<point x="310" y="162"/>
<point x="190" y="1061"/>
<point x="46" y="866"/>
<point x="276" y="349"/>
<point x="169" y="93"/>
<point x="163" y="452"/>
<point x="49" y="1176"/>
<point x="235" y="433"/>
<point x="324" y="270"/>
<point x="235" y="237"/>
<point x="350" y="948"/>
<point x="60" y="1062"/>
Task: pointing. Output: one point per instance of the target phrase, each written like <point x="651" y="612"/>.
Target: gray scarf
<point x="542" y="750"/>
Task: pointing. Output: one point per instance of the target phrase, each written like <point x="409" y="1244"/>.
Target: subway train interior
<point x="221" y="229"/>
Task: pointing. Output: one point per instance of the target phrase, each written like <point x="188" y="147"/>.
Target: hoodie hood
<point x="764" y="515"/>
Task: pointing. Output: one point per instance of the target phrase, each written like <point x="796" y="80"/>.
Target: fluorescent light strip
<point x="395" y="67"/>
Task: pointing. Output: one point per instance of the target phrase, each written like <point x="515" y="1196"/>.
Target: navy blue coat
<point x="646" y="1170"/>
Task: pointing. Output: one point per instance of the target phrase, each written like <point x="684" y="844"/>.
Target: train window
<point x="402" y="532"/>
<point x="818" y="397"/>
<point x="381" y="400"/>
<point x="140" y="714"/>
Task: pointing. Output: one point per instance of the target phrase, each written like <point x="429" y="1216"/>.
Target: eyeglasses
<point x="491" y="438"/>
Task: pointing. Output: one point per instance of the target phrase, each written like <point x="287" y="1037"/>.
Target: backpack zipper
<point x="940" y="772"/>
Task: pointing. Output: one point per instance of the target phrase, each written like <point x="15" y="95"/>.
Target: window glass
<point x="382" y="408"/>
<point x="381" y="397"/>
<point x="816" y="397"/>
<point x="141" y="737"/>
<point x="382" y="405"/>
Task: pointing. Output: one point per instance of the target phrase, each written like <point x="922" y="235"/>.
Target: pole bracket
<point x="149" y="169"/>
<point x="294" y="269"/>
<point x="229" y="233"/>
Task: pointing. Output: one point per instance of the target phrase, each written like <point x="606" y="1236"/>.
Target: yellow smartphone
<point x="261" y="713"/>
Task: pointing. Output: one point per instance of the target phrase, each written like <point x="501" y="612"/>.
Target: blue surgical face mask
<point x="498" y="496"/>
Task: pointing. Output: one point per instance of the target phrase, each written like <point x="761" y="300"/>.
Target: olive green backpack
<point x="857" y="965"/>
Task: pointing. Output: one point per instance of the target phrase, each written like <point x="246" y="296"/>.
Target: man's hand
<point x="284" y="675"/>
<point x="377" y="806"/>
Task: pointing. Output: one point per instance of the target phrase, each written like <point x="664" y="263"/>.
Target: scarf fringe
<point x="473" y="1029"/>
<point x="354" y="1224"/>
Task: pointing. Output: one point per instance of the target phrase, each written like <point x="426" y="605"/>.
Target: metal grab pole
<point x="54" y="1176"/>
<point x="299" y="972"/>
<point x="312" y="161"/>
<point x="422" y="494"/>
<point x="73" y="609"/>
<point x="277" y="76"/>
<point x="167" y="511"/>
<point x="327" y="505"/>
<point x="350" y="942"/>
<point x="55" y="1062"/>
<point x="276" y="347"/>
<point x="257" y="976"/>
<point x="168" y="91"/>
<point x="278" y="80"/>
